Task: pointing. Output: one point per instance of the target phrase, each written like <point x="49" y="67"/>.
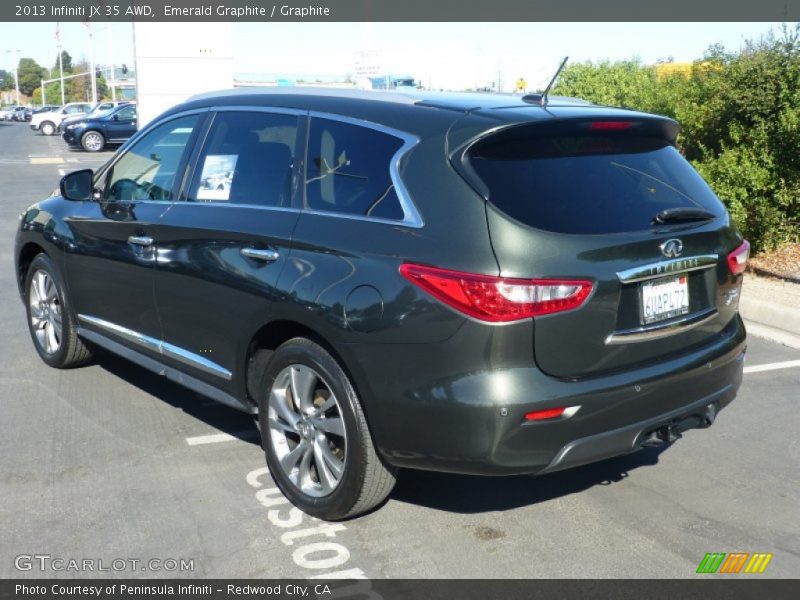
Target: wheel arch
<point x="27" y="253"/>
<point x="271" y="335"/>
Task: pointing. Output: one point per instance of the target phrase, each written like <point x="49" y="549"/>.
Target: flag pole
<point x="60" y="63"/>
<point x="93" y="73"/>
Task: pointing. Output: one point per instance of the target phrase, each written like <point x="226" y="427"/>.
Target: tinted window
<point x="126" y="114"/>
<point x="248" y="159"/>
<point x="589" y="184"/>
<point x="348" y="170"/>
<point x="147" y="170"/>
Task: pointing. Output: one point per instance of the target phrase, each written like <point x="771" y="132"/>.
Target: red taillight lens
<point x="498" y="299"/>
<point x="610" y="125"/>
<point x="737" y="260"/>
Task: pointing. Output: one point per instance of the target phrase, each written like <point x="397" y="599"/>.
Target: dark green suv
<point x="465" y="283"/>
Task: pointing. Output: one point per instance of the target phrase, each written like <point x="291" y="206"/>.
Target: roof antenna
<point x="541" y="99"/>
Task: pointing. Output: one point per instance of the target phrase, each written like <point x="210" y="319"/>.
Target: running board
<point x="151" y="364"/>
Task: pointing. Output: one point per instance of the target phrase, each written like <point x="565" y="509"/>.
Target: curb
<point x="772" y="334"/>
<point x="766" y="273"/>
<point x="771" y="314"/>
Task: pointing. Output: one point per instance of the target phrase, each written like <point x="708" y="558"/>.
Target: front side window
<point x="75" y="108"/>
<point x="147" y="170"/>
<point x="348" y="170"/>
<point x="126" y="114"/>
<point x="248" y="159"/>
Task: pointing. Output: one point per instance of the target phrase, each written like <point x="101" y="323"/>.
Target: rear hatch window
<point x="589" y="183"/>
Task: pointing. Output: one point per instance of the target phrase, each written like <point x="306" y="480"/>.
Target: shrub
<point x="740" y="117"/>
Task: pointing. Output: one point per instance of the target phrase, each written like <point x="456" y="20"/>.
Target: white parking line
<point x="772" y="366"/>
<point x="215" y="438"/>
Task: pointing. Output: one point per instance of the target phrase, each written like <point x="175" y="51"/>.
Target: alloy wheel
<point x="306" y="430"/>
<point x="93" y="142"/>
<point x="45" y="312"/>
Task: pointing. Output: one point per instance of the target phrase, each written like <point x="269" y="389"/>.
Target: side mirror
<point x="115" y="118"/>
<point x="78" y="185"/>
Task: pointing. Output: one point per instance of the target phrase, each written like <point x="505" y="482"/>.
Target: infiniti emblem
<point x="672" y="248"/>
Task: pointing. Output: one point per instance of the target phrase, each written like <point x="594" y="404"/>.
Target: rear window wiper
<point x="673" y="215"/>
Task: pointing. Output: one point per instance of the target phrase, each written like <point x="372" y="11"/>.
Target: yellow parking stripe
<point x="47" y="160"/>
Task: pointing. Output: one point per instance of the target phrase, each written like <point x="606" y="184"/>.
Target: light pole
<point x="112" y="76"/>
<point x="61" y="72"/>
<point x="93" y="73"/>
<point x="60" y="63"/>
<point x="16" y="72"/>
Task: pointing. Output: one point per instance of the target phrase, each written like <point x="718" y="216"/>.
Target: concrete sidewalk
<point x="771" y="309"/>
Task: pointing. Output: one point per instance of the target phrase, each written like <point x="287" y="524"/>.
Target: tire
<point x="93" y="141"/>
<point x="50" y="319"/>
<point x="353" y="478"/>
<point x="47" y="128"/>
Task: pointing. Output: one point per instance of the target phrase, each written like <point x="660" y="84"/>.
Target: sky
<point x="440" y="55"/>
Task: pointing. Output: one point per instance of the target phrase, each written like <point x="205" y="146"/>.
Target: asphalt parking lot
<point x="111" y="462"/>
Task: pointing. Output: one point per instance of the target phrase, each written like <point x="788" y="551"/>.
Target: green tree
<point x="740" y="118"/>
<point x="30" y="75"/>
<point x="66" y="60"/>
<point x="6" y="80"/>
<point x="79" y="89"/>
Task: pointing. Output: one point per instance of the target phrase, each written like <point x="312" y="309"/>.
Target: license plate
<point x="664" y="299"/>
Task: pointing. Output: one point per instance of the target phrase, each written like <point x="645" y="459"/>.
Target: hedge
<point x="740" y="117"/>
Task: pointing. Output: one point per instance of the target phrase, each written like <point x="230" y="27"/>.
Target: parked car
<point x="455" y="282"/>
<point x="99" y="109"/>
<point x="48" y="122"/>
<point x="46" y="108"/>
<point x="109" y="127"/>
<point x="18" y="114"/>
<point x="7" y="112"/>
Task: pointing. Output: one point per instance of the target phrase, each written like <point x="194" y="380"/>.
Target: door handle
<point x="265" y="255"/>
<point x="140" y="240"/>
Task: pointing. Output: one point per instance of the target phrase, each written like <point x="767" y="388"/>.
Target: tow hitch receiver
<point x="671" y="432"/>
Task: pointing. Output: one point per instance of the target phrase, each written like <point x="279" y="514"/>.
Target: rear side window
<point x="589" y="184"/>
<point x="248" y="159"/>
<point x="348" y="170"/>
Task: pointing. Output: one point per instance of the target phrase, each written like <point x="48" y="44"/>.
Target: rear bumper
<point x="474" y="422"/>
<point x="659" y="429"/>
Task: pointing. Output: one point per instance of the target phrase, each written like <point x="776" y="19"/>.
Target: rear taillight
<point x="737" y="260"/>
<point x="498" y="299"/>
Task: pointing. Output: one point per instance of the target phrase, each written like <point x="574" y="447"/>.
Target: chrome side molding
<point x="667" y="267"/>
<point x="160" y="346"/>
<point x="659" y="330"/>
<point x="170" y="373"/>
